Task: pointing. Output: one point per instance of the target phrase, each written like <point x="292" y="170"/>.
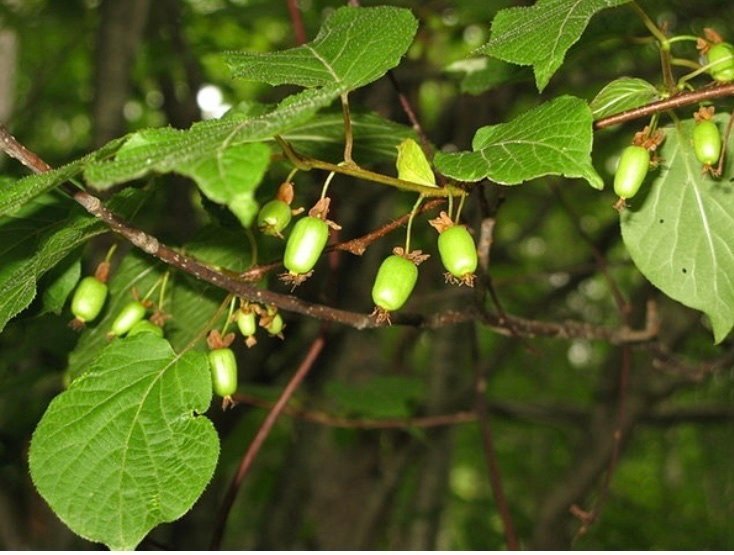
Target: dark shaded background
<point x="75" y="74"/>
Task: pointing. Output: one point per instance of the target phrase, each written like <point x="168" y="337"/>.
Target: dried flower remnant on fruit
<point x="707" y="140"/>
<point x="306" y="242"/>
<point x="457" y="249"/>
<point x="223" y="366"/>
<point x="395" y="281"/>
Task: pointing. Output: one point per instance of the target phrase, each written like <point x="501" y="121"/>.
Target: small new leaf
<point x="540" y="35"/>
<point x="413" y="165"/>
<point x="553" y="139"/>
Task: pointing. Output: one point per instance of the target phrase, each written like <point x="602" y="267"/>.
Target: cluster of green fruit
<point x="222" y="360"/>
<point x="89" y="299"/>
<point x="398" y="274"/>
<point x="635" y="159"/>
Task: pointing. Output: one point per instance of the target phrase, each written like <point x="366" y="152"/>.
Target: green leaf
<point x="189" y="303"/>
<point x="622" y="94"/>
<point x="540" y="35"/>
<point x="15" y="194"/>
<point x="33" y="244"/>
<point x="123" y="449"/>
<point x="553" y="139"/>
<point x="413" y="165"/>
<point x="678" y="230"/>
<point x="228" y="176"/>
<point x="169" y="150"/>
<point x="232" y="176"/>
<point x="375" y="138"/>
<point x="355" y="46"/>
<point x="380" y="397"/>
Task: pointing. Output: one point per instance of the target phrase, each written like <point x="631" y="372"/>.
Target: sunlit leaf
<point x="413" y="165"/>
<point x="553" y="139"/>
<point x="622" y="94"/>
<point x="541" y="34"/>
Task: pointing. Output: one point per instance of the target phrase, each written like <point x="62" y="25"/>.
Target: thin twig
<point x="588" y="518"/>
<point x="672" y="103"/>
<point x="296" y="21"/>
<point x="234" y="283"/>
<point x="254" y="448"/>
<point x="490" y="454"/>
<point x="602" y="264"/>
<point x="305" y="163"/>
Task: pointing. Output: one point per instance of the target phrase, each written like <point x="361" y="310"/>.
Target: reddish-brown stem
<point x="589" y="517"/>
<point x="622" y="305"/>
<point x="334" y="421"/>
<point x="262" y="434"/>
<point x="234" y="283"/>
<point x="296" y="21"/>
<point x="490" y="455"/>
<point x="677" y="101"/>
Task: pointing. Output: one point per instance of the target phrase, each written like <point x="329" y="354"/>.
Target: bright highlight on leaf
<point x="622" y="94"/>
<point x="413" y="165"/>
<point x="540" y="35"/>
<point x="553" y="139"/>
<point x="123" y="449"/>
<point x="679" y="233"/>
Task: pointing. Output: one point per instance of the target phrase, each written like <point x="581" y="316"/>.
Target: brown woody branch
<point x="235" y="283"/>
<point x="677" y="101"/>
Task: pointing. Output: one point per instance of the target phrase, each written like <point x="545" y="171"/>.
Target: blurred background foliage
<point x="77" y="73"/>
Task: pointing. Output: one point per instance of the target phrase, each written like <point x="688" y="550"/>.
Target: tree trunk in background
<point x="118" y="37"/>
<point x="8" y="57"/>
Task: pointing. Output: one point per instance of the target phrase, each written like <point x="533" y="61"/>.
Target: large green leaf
<point x="540" y="35"/>
<point x="123" y="449"/>
<point x="169" y="150"/>
<point x="679" y="230"/>
<point x="622" y="94"/>
<point x="40" y="237"/>
<point x="230" y="175"/>
<point x="355" y="46"/>
<point x="553" y="139"/>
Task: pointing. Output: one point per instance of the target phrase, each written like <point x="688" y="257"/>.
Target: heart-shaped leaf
<point x="679" y="230"/>
<point x="123" y="449"/>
